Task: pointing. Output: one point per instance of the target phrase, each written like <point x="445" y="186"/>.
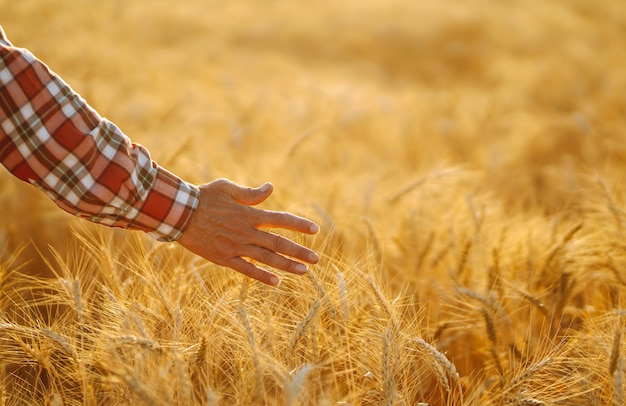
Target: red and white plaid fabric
<point x="50" y="137"/>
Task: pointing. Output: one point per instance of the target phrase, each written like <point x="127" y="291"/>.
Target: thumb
<point x="251" y="196"/>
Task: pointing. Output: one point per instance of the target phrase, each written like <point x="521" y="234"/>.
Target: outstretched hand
<point x="226" y="230"/>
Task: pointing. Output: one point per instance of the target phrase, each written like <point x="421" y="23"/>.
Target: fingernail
<point x="300" y="268"/>
<point x="313" y="258"/>
<point x="274" y="281"/>
<point x="265" y="188"/>
<point x="314" y="228"/>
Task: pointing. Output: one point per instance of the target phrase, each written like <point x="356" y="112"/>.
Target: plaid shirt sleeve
<point x="51" y="138"/>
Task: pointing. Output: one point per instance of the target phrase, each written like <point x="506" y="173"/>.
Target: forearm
<point x="51" y="138"/>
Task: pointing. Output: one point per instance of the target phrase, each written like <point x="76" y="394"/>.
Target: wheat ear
<point x="384" y="304"/>
<point x="322" y="293"/>
<point x="302" y="326"/>
<point x="534" y="301"/>
<point x="442" y="361"/>
<point x="528" y="372"/>
<point x="255" y="356"/>
<point x="491" y="334"/>
<point x="557" y="248"/>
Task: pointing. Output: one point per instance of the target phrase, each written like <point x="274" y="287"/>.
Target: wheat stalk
<point x="493" y="338"/>
<point x="439" y="256"/>
<point x="490" y="326"/>
<point x="388" y="366"/>
<point x="617" y="213"/>
<point x="302" y="326"/>
<point x="567" y="237"/>
<point x="384" y="304"/>
<point x="299" y="141"/>
<point x="121" y="373"/>
<point x="461" y="267"/>
<point x="343" y="295"/>
<point x="494" y="277"/>
<point x="62" y="343"/>
<point x="618" y="384"/>
<point x="322" y="293"/>
<point x="371" y="234"/>
<point x="615" y="367"/>
<point x="534" y="301"/>
<point x="443" y="362"/>
<point x="425" y="250"/>
<point x="198" y="368"/>
<point x="529" y="372"/>
<point x="530" y="402"/>
<point x="255" y="356"/>
<point x="491" y="303"/>
<point x="615" y="351"/>
<point x="417" y="183"/>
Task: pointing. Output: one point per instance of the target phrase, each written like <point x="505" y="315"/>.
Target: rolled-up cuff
<point x="168" y="207"/>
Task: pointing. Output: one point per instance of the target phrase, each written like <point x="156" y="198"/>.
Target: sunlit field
<point x="466" y="161"/>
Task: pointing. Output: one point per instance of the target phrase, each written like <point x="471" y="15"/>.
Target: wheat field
<point x="465" y="160"/>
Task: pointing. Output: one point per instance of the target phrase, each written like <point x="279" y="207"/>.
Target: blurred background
<point x="349" y="106"/>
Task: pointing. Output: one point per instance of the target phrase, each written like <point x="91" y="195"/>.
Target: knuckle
<point x="282" y="218"/>
<point x="266" y="257"/>
<point x="254" y="272"/>
<point x="225" y="247"/>
<point x="302" y="253"/>
<point x="251" y="215"/>
<point x="221" y="182"/>
<point x="247" y="268"/>
<point x="280" y="244"/>
<point x="241" y="266"/>
<point x="250" y="192"/>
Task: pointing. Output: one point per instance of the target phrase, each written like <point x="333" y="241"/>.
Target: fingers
<point x="277" y="219"/>
<point x="266" y="257"/>
<point x="274" y="260"/>
<point x="271" y="219"/>
<point x="284" y="246"/>
<point x="246" y="268"/>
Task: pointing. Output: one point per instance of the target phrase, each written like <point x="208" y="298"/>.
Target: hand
<point x="224" y="229"/>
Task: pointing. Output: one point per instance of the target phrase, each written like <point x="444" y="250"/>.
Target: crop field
<point x="465" y="160"/>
